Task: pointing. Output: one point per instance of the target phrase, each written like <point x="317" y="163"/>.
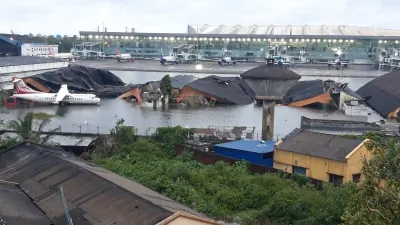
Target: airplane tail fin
<point x="162" y="53"/>
<point x="62" y="93"/>
<point x="51" y="53"/>
<point x="21" y="88"/>
<point x="118" y="53"/>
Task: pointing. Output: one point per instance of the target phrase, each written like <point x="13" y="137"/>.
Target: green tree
<point x="122" y="135"/>
<point x="165" y="87"/>
<point x="377" y="201"/>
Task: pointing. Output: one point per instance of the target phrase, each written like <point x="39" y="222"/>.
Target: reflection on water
<point x="93" y="118"/>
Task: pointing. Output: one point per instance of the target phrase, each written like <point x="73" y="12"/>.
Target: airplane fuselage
<point x="50" y="98"/>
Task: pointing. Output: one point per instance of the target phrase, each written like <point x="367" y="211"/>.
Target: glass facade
<point x="245" y="48"/>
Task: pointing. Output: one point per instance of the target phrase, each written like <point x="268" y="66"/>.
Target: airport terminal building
<point x="304" y="43"/>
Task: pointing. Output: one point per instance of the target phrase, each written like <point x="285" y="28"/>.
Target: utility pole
<point x="102" y="37"/>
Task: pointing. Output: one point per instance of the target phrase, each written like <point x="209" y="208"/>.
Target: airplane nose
<point x="98" y="100"/>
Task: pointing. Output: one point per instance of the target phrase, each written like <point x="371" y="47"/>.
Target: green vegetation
<point x="378" y="199"/>
<point x="25" y="127"/>
<point x="4" y="144"/>
<point x="221" y="191"/>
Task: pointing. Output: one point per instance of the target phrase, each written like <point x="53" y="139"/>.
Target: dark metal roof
<point x="265" y="72"/>
<point x="304" y="90"/>
<point x="17" y="208"/>
<point x="232" y="89"/>
<point x="321" y="145"/>
<point x="382" y="93"/>
<point x="94" y="195"/>
<point x="181" y="80"/>
<point x="25" y="60"/>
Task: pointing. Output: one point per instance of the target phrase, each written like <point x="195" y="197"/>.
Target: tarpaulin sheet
<point x="82" y="79"/>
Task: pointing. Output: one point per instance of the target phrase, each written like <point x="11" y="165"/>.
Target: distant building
<point x="24" y="45"/>
<point x="303" y="43"/>
<point x="324" y="157"/>
<point x="256" y="152"/>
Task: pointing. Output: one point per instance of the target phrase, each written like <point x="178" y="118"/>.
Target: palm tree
<point x="24" y="127"/>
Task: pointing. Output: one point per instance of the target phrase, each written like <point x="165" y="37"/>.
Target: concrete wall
<point x="319" y="168"/>
<point x="337" y="124"/>
<point x="32" y="67"/>
<point x="270" y="87"/>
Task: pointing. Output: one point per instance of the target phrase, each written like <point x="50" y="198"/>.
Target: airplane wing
<point x="62" y="93"/>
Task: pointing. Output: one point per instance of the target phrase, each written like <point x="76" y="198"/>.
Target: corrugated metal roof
<point x="294" y="30"/>
<point x="94" y="195"/>
<point x="62" y="140"/>
<point x="249" y="146"/>
<point x="17" y="208"/>
<point x="321" y="145"/>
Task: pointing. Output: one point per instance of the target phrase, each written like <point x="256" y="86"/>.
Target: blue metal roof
<point x="10" y="40"/>
<point x="249" y="146"/>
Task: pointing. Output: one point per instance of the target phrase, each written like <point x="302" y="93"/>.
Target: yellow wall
<point x="318" y="168"/>
<point x="355" y="162"/>
<point x="187" y="221"/>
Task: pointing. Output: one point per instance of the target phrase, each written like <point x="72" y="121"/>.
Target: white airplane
<point x="65" y="56"/>
<point x="124" y="57"/>
<point x="171" y="59"/>
<point x="63" y="95"/>
<point x="226" y="61"/>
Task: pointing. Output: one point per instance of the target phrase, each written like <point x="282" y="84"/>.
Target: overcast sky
<point x="71" y="16"/>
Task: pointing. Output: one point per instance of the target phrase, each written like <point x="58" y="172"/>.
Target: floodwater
<point x="102" y="118"/>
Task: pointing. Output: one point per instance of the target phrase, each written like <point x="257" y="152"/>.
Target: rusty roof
<point x="94" y="195"/>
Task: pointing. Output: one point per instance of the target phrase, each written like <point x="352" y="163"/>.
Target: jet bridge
<point x="88" y="50"/>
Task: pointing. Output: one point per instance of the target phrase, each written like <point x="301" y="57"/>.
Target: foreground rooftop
<point x="94" y="195"/>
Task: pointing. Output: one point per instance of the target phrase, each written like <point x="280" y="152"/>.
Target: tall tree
<point x="377" y="201"/>
<point x="165" y="87"/>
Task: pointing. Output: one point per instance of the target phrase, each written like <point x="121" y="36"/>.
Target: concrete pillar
<point x="268" y="116"/>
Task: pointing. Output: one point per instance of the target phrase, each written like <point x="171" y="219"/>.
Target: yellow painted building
<point x="181" y="218"/>
<point x="324" y="157"/>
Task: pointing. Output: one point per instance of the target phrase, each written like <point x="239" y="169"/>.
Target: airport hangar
<point x="24" y="45"/>
<point x="316" y="43"/>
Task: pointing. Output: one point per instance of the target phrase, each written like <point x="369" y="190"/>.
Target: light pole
<point x="61" y="46"/>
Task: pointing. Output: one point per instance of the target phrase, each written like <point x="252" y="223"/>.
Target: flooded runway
<point x="103" y="117"/>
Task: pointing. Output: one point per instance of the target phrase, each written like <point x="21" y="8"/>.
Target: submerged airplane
<point x="62" y="97"/>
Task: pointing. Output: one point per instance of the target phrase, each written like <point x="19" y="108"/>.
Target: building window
<point x="299" y="170"/>
<point x="335" y="179"/>
<point x="356" y="177"/>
